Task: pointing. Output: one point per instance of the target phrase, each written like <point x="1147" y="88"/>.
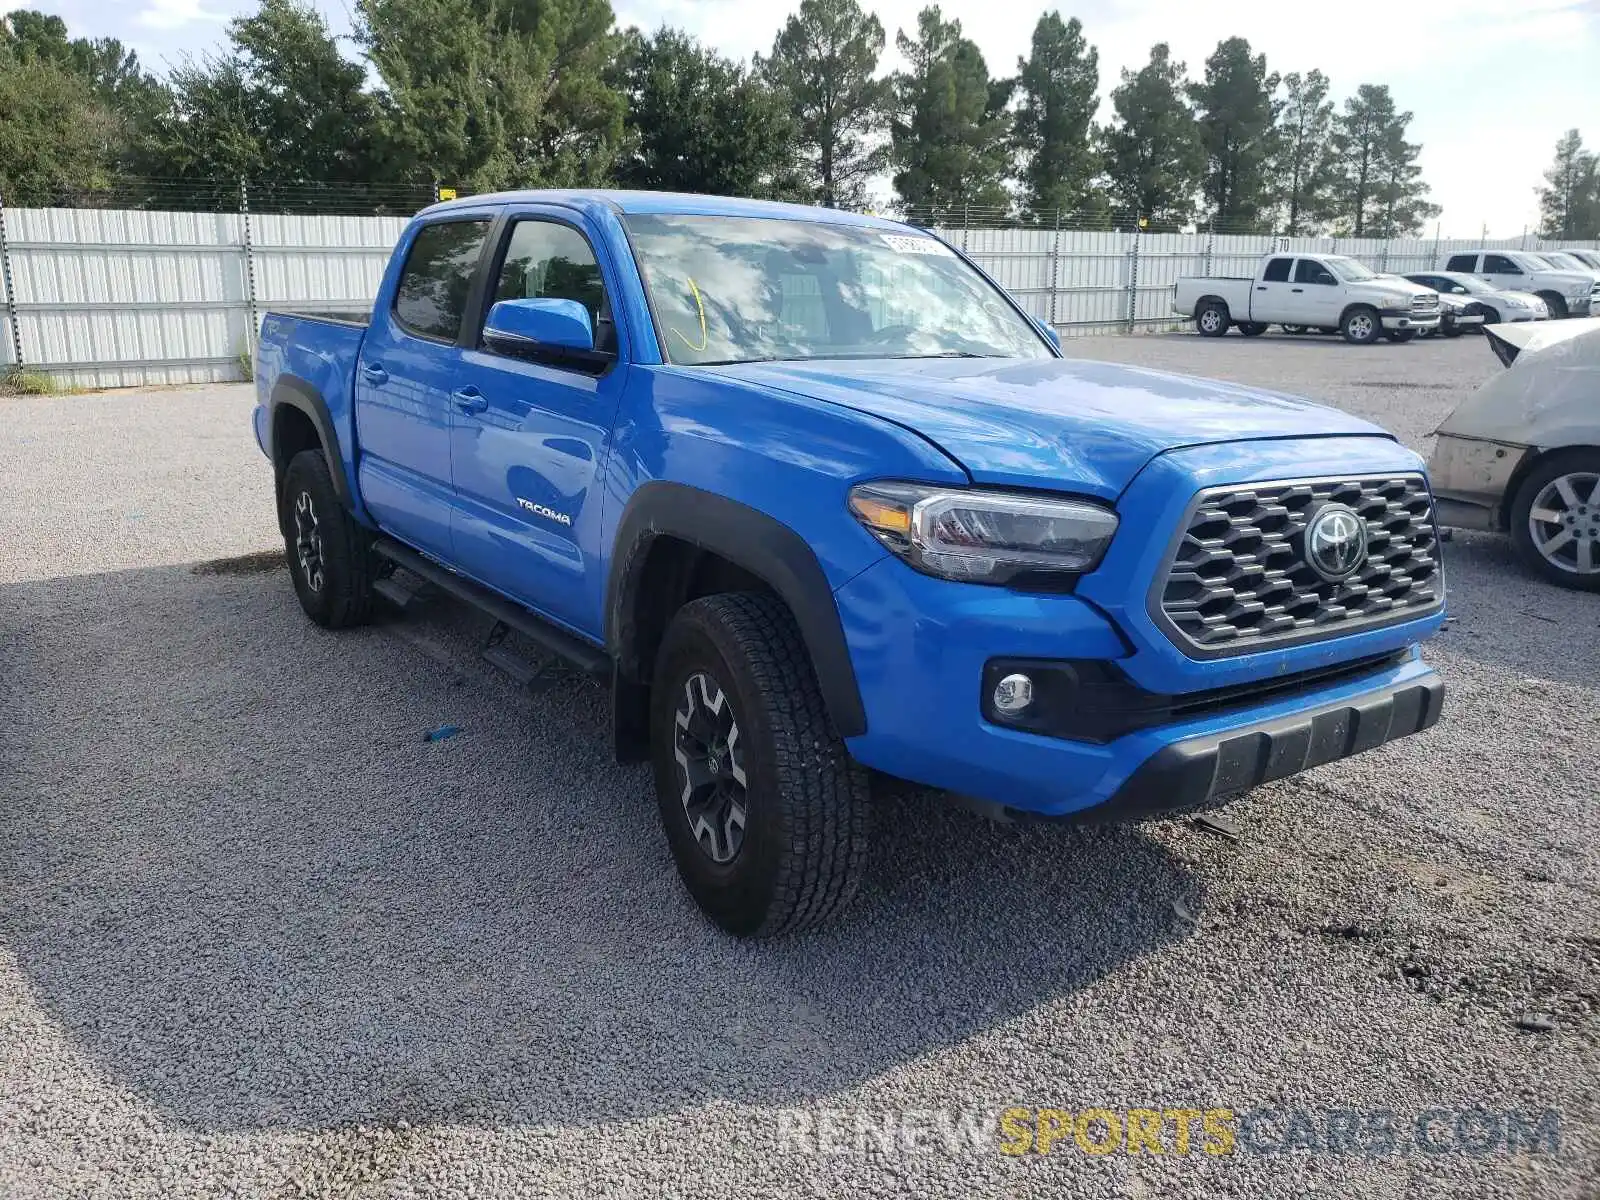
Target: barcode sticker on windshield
<point x="914" y="245"/>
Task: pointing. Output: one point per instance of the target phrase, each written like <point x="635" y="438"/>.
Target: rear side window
<point x="1499" y="264"/>
<point x="438" y="273"/>
<point x="1463" y="262"/>
<point x="1277" y="271"/>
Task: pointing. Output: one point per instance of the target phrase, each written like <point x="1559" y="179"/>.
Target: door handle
<point x="469" y="400"/>
<point x="1297" y="289"/>
<point x="1261" y="288"/>
<point x="375" y="374"/>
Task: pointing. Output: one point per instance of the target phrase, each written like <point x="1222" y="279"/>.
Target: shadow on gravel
<point x="238" y="877"/>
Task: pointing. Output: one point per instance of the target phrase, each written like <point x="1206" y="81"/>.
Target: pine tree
<point x="824" y="60"/>
<point x="1058" y="84"/>
<point x="948" y="135"/>
<point x="1237" y="117"/>
<point x="1302" y="164"/>
<point x="1153" y="155"/>
<point x="1569" y="203"/>
<point x="1378" y="189"/>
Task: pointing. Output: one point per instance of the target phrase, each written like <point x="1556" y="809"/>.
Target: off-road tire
<point x="344" y="547"/>
<point x="806" y="801"/>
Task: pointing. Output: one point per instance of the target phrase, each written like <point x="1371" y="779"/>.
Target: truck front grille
<point x="1239" y="579"/>
<point x="1424" y="303"/>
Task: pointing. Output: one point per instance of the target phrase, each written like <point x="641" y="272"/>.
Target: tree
<point x="824" y="60"/>
<point x="698" y="122"/>
<point x="1237" y="116"/>
<point x="1378" y="189"/>
<point x="55" y="134"/>
<point x="948" y="136"/>
<point x="1569" y="203"/>
<point x="1153" y="156"/>
<point x="1053" y="132"/>
<point x="496" y="93"/>
<point x="281" y="101"/>
<point x="1302" y="163"/>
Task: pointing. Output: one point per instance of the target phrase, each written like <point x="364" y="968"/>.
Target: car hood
<point x="1545" y="396"/>
<point x="1056" y="423"/>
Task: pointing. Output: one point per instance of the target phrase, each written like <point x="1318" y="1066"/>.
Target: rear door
<point x="1271" y="300"/>
<point x="405" y="378"/>
<point x="528" y="455"/>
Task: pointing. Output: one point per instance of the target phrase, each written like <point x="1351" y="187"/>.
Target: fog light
<point x="1013" y="694"/>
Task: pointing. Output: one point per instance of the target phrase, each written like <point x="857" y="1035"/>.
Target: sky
<point x="1492" y="83"/>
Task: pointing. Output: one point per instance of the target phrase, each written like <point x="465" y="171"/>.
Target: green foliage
<point x="824" y="60"/>
<point x="698" y="122"/>
<point x="496" y="93"/>
<point x="1302" y="165"/>
<point x="22" y="382"/>
<point x="55" y="134"/>
<point x="949" y="132"/>
<point x="1236" y="117"/>
<point x="1378" y="189"/>
<point x="1058" y="84"/>
<point x="1569" y="203"/>
<point x="1153" y="155"/>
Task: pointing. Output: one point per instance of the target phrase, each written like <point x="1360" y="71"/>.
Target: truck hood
<point x="1057" y="423"/>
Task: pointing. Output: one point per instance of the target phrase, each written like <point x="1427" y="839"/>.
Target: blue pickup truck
<point x="820" y="503"/>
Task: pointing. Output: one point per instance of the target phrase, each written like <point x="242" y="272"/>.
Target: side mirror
<point x="545" y="330"/>
<point x="1049" y="331"/>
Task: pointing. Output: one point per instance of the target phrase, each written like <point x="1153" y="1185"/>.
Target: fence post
<point x="251" y="331"/>
<point x="1133" y="277"/>
<point x="966" y="222"/>
<point x="1211" y="241"/>
<point x="1055" y="270"/>
<point x="10" y="290"/>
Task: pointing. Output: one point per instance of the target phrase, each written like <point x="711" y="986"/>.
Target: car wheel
<point x="1451" y="331"/>
<point x="1211" y="319"/>
<point x="1555" y="519"/>
<point x="1556" y="305"/>
<point x="1491" y="316"/>
<point x="1400" y="336"/>
<point x="1294" y="328"/>
<point x="330" y="555"/>
<point x="1361" y="326"/>
<point x="1252" y="329"/>
<point x="764" y="810"/>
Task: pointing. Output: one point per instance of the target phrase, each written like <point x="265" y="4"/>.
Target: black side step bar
<point x="579" y="653"/>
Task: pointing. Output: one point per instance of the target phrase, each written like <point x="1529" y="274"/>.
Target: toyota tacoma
<point x="822" y="504"/>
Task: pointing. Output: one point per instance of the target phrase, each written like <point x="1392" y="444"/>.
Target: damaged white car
<point x="1521" y="455"/>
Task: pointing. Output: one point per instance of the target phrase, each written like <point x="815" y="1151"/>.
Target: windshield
<point x="1470" y="283"/>
<point x="1348" y="269"/>
<point x="748" y="289"/>
<point x="1565" y="261"/>
<point x="1537" y="262"/>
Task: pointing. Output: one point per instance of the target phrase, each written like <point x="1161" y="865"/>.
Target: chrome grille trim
<point x="1235" y="580"/>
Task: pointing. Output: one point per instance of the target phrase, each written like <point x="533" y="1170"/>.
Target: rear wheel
<point x="764" y="810"/>
<point x="1555" y="519"/>
<point x="1361" y="326"/>
<point x="330" y="555"/>
<point x="1294" y="328"/>
<point x="1211" y="319"/>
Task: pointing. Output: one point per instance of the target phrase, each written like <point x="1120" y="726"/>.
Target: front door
<point x="1317" y="294"/>
<point x="528" y="459"/>
<point x="403" y="383"/>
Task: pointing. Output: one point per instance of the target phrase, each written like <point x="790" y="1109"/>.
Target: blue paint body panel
<point x="525" y="488"/>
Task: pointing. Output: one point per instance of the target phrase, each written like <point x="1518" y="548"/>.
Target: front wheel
<point x="1556" y="304"/>
<point x="1211" y="319"/>
<point x="1294" y="328"/>
<point x="1252" y="329"/>
<point x="764" y="810"/>
<point x="1555" y="519"/>
<point x="330" y="555"/>
<point x="1401" y="336"/>
<point x="1361" y="326"/>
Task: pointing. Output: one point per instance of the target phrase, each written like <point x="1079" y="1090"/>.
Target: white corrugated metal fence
<point x="108" y="298"/>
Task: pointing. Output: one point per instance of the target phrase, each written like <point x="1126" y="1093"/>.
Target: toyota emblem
<point x="1336" y="542"/>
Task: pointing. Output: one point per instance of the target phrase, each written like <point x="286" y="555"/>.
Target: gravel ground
<point x="259" y="938"/>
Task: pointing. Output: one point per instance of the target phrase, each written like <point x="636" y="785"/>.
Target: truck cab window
<point x="432" y="293"/>
<point x="546" y="260"/>
<point x="1499" y="264"/>
<point x="1309" y="270"/>
<point x="1463" y="262"/>
<point x="1277" y="271"/>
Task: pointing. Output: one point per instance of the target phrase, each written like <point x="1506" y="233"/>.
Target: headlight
<point x="984" y="537"/>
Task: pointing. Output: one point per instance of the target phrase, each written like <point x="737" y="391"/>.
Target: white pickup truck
<point x="1309" y="291"/>
<point x="1566" y="292"/>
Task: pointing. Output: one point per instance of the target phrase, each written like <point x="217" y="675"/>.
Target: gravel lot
<point x="259" y="938"/>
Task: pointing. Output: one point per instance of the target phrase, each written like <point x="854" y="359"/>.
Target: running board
<point x="590" y="659"/>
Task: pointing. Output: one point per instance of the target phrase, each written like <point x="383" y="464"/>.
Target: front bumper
<point x="1394" y="318"/>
